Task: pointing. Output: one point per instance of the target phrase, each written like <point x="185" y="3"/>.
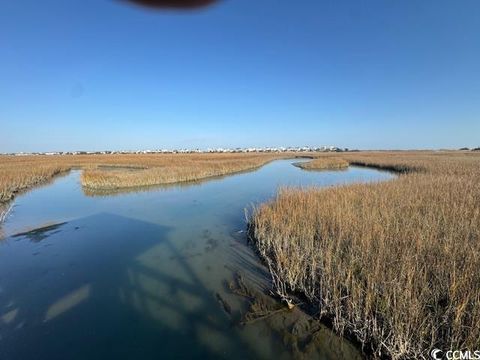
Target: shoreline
<point x="21" y="174"/>
<point x="181" y="182"/>
<point x="288" y="237"/>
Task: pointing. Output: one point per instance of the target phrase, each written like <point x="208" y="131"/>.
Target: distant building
<point x="208" y="150"/>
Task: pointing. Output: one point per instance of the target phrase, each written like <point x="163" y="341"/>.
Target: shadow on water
<point x="41" y="233"/>
<point x="119" y="305"/>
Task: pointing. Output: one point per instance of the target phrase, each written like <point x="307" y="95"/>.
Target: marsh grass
<point x="107" y="172"/>
<point x="170" y="171"/>
<point x="393" y="264"/>
<point x="17" y="177"/>
<point x="323" y="163"/>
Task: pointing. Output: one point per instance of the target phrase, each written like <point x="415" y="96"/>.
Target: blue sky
<point x="94" y="75"/>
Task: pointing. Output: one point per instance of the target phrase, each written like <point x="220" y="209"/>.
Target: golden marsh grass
<point x="324" y="163"/>
<point x="174" y="169"/>
<point x="18" y="173"/>
<point x="393" y="264"/>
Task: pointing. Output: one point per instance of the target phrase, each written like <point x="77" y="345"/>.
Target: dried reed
<point x="394" y="264"/>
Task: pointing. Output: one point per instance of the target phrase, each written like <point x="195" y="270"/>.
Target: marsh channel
<point x="158" y="273"/>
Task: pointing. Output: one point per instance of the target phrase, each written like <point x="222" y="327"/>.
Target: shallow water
<point x="143" y="274"/>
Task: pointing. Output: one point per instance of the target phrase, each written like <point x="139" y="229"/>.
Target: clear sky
<point x="100" y="74"/>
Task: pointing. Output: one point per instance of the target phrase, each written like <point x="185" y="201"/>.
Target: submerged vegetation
<point x="393" y="264"/>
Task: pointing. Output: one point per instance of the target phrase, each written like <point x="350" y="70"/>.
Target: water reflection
<point x="68" y="302"/>
<point x="140" y="189"/>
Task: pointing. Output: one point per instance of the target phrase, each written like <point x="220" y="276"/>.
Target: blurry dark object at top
<point x="186" y="4"/>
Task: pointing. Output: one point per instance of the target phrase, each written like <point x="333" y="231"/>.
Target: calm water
<point x="142" y="275"/>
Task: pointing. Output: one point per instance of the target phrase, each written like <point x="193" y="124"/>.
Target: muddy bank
<point x="301" y="332"/>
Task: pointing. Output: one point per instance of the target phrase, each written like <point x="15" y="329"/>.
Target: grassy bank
<point x="16" y="176"/>
<point x="393" y="264"/>
<point x="324" y="163"/>
<point x="174" y="170"/>
<point x="19" y="173"/>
